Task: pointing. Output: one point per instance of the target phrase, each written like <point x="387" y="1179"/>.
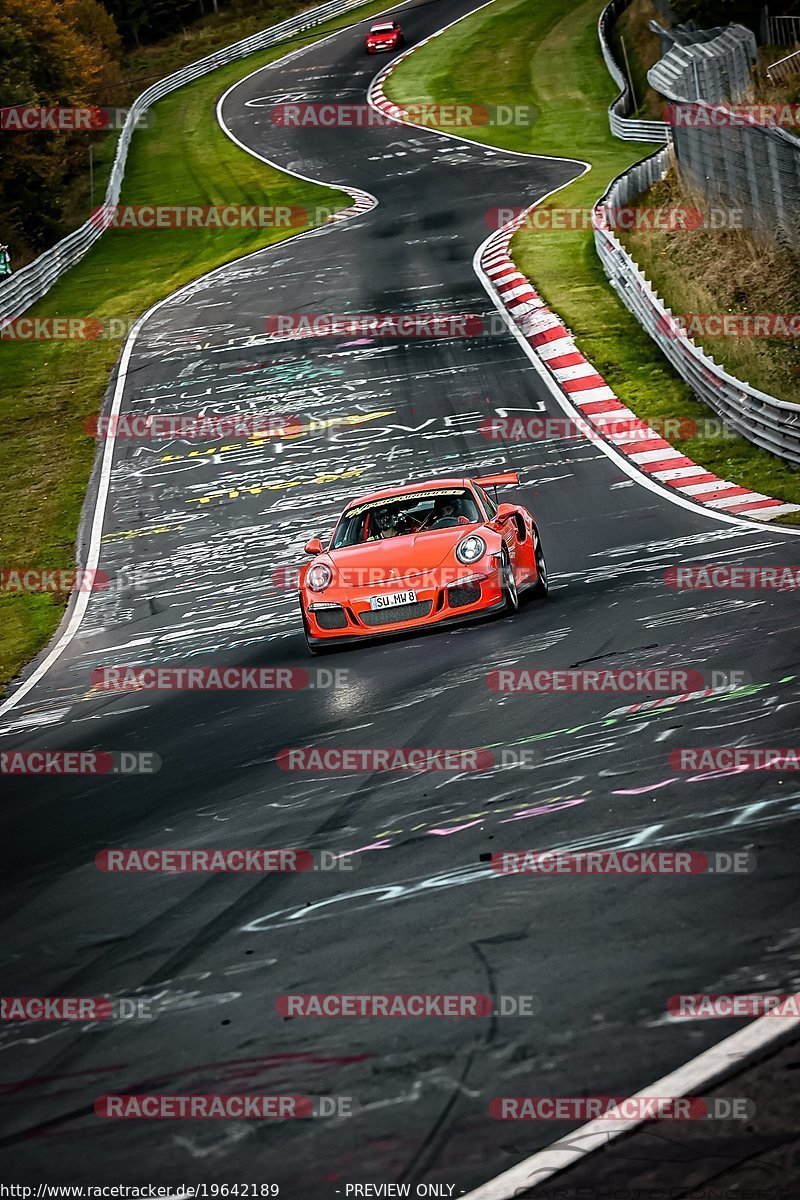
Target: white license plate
<point x="392" y="600"/>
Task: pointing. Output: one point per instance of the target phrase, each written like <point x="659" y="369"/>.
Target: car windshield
<point x="396" y="516"/>
<point x="382" y="29"/>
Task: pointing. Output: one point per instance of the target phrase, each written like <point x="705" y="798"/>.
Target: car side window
<point x="489" y="504"/>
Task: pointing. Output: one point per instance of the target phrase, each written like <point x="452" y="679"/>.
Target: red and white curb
<point x="378" y="98"/>
<point x="582" y="386"/>
<point x="364" y="202"/>
<point x="597" y="403"/>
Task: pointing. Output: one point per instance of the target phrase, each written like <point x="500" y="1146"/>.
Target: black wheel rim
<point x="509" y="582"/>
<point x="540" y="566"/>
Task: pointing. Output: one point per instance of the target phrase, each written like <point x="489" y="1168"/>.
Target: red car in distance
<point x="387" y="35"/>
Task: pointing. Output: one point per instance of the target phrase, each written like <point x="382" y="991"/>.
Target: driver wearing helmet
<point x="385" y="524"/>
<point x="448" y="508"/>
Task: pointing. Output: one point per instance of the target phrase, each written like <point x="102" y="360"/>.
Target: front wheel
<point x="542" y="585"/>
<point x="508" y="583"/>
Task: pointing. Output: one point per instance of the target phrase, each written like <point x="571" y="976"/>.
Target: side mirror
<point x="504" y="513"/>
<point x="314" y="546"/>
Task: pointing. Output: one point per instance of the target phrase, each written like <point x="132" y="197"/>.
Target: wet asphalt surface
<point x="200" y="541"/>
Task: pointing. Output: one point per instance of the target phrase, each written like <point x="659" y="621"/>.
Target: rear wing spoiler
<point x="505" y="478"/>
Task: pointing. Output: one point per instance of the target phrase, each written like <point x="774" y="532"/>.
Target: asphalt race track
<point x="200" y="536"/>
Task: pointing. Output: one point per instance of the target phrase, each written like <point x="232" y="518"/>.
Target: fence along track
<point x="772" y="424"/>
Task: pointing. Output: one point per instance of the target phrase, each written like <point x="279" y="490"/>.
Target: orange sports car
<point x="425" y="554"/>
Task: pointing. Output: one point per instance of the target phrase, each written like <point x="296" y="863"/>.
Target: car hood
<point x="383" y="37"/>
<point x="402" y="556"/>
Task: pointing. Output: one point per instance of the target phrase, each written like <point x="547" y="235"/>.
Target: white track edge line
<point x="101" y="501"/>
<point x="694" y="1076"/>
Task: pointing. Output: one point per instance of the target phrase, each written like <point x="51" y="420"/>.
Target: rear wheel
<point x="542" y="585"/>
<point x="508" y="583"/>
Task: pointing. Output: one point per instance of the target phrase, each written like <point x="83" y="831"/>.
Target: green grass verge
<point x="49" y="389"/>
<point x="724" y="271"/>
<point x="548" y="55"/>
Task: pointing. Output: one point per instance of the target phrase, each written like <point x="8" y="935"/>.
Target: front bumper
<point x="349" y="639"/>
<point x="336" y="616"/>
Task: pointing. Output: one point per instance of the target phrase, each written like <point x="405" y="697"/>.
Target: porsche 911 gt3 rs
<point x="424" y="554"/>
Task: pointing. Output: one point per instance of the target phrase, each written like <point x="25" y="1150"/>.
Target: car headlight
<point x="470" y="549"/>
<point x="319" y="576"/>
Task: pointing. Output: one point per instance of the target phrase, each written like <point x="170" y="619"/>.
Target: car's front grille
<point x="403" y="612"/>
<point x="331" y="618"/>
<point x="468" y="593"/>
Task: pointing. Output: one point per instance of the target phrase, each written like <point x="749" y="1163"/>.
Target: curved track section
<point x="197" y="538"/>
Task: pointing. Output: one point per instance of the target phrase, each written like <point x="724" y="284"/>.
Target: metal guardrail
<point x="772" y="424"/>
<point x="780" y="31"/>
<point x="716" y="69"/>
<point x="734" y="159"/>
<point x="628" y="129"/>
<point x="30" y="283"/>
<point x="784" y="68"/>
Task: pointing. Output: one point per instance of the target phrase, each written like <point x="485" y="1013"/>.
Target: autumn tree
<point x="52" y="53"/>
